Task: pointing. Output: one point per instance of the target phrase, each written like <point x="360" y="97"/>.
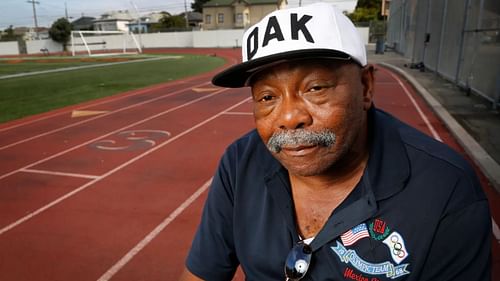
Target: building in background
<point x="236" y="14"/>
<point x="30" y="33"/>
<point x="83" y="23"/>
<point x="195" y="20"/>
<point x="114" y="21"/>
<point x="144" y="23"/>
<point x="384" y="11"/>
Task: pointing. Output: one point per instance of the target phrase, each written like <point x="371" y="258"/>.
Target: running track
<point x="117" y="195"/>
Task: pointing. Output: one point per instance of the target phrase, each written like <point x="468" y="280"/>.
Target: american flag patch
<point x="356" y="233"/>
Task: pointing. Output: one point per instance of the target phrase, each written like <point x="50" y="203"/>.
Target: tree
<point x="177" y="21"/>
<point x="366" y="10"/>
<point x="377" y="4"/>
<point x="9" y="35"/>
<point x="60" y="31"/>
<point x="197" y="5"/>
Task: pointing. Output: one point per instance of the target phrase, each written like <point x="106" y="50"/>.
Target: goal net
<point x="104" y="43"/>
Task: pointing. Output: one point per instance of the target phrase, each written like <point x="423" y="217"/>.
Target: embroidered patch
<point x="379" y="229"/>
<point x="396" y="246"/>
<point x="354" y="235"/>
<point x="386" y="268"/>
<point x="350" y="274"/>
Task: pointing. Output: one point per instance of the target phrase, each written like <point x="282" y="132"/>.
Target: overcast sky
<point x="20" y="12"/>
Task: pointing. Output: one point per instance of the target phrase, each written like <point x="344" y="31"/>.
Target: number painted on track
<point x="131" y="140"/>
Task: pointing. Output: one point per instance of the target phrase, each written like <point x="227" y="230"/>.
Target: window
<point x="208" y="19"/>
<point x="239" y="18"/>
<point x="220" y="18"/>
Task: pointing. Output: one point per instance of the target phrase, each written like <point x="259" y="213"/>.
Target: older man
<point x="328" y="187"/>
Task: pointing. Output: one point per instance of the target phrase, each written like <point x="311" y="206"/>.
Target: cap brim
<point x="237" y="75"/>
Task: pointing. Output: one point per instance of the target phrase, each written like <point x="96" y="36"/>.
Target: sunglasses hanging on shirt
<point x="298" y="261"/>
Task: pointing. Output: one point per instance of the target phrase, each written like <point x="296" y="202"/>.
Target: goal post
<point x="99" y="43"/>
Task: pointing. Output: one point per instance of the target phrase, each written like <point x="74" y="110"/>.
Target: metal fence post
<point x="443" y="28"/>
<point x="462" y="42"/>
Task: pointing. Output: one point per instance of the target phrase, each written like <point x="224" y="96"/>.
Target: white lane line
<point x="417" y="107"/>
<point x="144" y="242"/>
<point x="52" y="173"/>
<point x="105" y="100"/>
<point x="94" y="118"/>
<point x="496" y="230"/>
<point x="111" y="133"/>
<point x="138" y="157"/>
<point x="238" y="113"/>
<point x="70" y="68"/>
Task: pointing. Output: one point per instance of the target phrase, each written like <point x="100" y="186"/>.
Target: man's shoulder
<point x="435" y="172"/>
<point x="418" y="143"/>
<point x="434" y="162"/>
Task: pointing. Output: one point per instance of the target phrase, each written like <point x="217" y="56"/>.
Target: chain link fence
<point x="458" y="39"/>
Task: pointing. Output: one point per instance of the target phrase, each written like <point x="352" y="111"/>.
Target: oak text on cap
<point x="273" y="24"/>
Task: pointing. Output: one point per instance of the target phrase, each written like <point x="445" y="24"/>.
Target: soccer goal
<point x="104" y="43"/>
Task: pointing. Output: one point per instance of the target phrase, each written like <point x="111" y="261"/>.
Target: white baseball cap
<point x="315" y="31"/>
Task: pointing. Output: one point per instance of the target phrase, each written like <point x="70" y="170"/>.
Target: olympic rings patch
<point x="396" y="246"/>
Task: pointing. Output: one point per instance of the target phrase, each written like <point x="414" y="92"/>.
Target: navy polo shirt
<point x="418" y="213"/>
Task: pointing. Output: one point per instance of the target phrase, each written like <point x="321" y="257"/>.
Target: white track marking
<point x="238" y="113"/>
<point x="70" y="68"/>
<point x="123" y="165"/>
<point x="110" y="133"/>
<point x="144" y="242"/>
<point x="93" y="118"/>
<point x="59" y="174"/>
<point x="107" y="100"/>
<point x="417" y="107"/>
<point x="496" y="230"/>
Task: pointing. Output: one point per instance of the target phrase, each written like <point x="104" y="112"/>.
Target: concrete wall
<point x="33" y="47"/>
<point x="217" y="38"/>
<point x="166" y="40"/>
<point x="226" y="38"/>
<point x="9" y="48"/>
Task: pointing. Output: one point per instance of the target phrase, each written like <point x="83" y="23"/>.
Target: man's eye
<point x="266" y="98"/>
<point x="316" y="88"/>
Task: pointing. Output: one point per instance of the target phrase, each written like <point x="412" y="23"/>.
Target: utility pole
<point x="186" y="14"/>
<point x="34" y="16"/>
<point x="66" y="10"/>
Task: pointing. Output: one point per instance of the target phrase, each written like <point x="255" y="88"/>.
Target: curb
<point x="489" y="167"/>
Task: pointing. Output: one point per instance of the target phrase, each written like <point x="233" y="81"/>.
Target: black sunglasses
<point x="298" y="261"/>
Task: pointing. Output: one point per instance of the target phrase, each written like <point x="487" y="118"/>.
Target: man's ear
<point x="368" y="81"/>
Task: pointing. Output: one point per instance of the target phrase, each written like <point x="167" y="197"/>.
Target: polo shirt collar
<point x="388" y="167"/>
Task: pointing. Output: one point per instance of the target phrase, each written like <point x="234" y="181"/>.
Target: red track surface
<point x="118" y="195"/>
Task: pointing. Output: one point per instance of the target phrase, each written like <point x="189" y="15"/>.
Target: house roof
<point x="193" y="16"/>
<point x="83" y="21"/>
<point x="214" y="3"/>
<point x="115" y="16"/>
<point x="151" y="18"/>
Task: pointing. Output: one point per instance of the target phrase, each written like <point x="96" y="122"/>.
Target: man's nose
<point x="294" y="114"/>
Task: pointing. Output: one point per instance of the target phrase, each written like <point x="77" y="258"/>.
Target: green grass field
<point x="30" y="64"/>
<point x="33" y="94"/>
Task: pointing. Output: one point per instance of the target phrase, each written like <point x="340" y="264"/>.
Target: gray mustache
<point x="300" y="137"/>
